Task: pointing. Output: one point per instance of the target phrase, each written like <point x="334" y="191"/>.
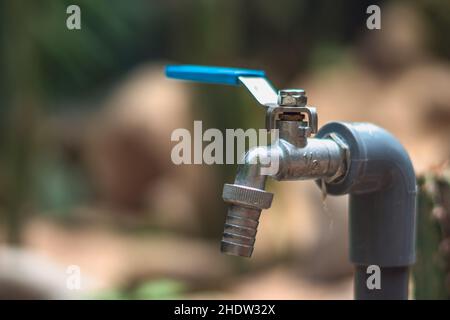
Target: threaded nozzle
<point x="240" y="231"/>
<point x="242" y="219"/>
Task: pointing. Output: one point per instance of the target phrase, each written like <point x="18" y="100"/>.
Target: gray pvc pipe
<point x="382" y="187"/>
<point x="394" y="284"/>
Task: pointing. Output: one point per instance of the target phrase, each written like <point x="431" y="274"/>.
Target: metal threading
<point x="240" y="230"/>
<point x="242" y="219"/>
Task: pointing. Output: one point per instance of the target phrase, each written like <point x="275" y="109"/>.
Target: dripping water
<point x="325" y="208"/>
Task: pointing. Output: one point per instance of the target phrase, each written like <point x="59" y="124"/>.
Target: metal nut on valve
<point x="292" y="97"/>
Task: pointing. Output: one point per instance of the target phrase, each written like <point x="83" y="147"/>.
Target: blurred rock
<point x="398" y="44"/>
<point x="129" y="149"/>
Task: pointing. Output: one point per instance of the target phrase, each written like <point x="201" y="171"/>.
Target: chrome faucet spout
<point x="313" y="159"/>
<point x="247" y="198"/>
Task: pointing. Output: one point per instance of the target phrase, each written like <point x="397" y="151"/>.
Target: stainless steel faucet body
<point x="359" y="159"/>
<point x="299" y="158"/>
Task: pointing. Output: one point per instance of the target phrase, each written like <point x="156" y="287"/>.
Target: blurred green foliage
<point x="72" y="62"/>
<point x="437" y="18"/>
<point x="431" y="269"/>
<point x="149" y="290"/>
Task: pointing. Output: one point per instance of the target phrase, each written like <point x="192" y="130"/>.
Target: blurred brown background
<point x="86" y="116"/>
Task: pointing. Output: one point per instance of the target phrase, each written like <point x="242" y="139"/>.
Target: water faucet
<point x="299" y="157"/>
<point x="359" y="159"/>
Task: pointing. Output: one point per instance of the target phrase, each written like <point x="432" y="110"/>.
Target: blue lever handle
<point x="219" y="75"/>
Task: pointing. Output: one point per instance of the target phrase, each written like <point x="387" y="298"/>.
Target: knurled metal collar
<point x="247" y="196"/>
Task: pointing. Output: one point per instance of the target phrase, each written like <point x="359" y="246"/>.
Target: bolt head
<point x="292" y="97"/>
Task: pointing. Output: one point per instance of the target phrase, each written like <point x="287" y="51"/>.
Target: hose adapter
<point x="242" y="220"/>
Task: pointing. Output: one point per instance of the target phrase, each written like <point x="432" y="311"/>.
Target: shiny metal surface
<point x="292" y="97"/>
<point x="299" y="158"/>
